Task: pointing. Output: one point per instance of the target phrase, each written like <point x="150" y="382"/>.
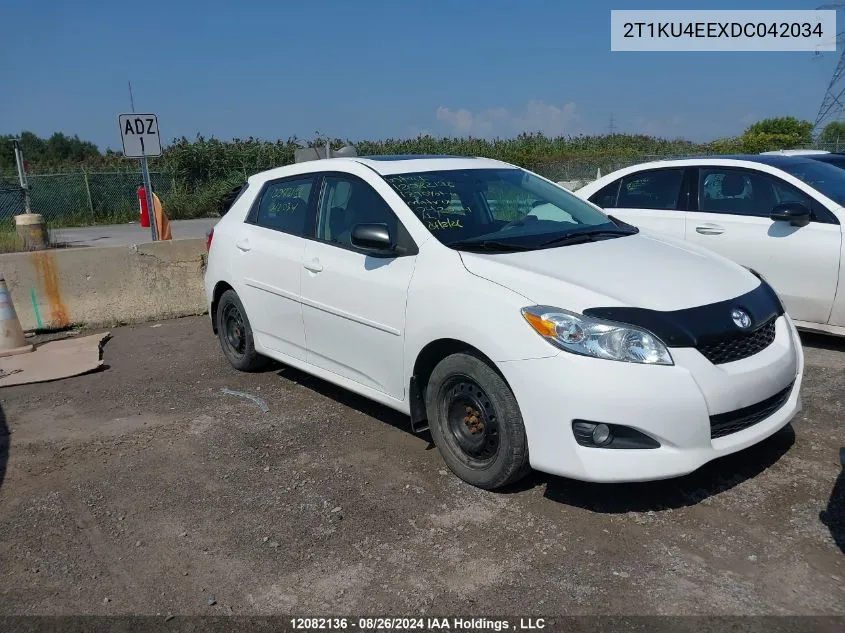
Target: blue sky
<point x="373" y="69"/>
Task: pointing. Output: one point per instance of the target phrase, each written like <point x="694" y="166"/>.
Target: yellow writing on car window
<point x="449" y="223"/>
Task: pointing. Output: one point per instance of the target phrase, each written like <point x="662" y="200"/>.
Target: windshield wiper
<point x="487" y="245"/>
<point x="586" y="236"/>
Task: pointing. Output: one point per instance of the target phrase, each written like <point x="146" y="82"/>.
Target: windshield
<point x="508" y="209"/>
<point x="827" y="179"/>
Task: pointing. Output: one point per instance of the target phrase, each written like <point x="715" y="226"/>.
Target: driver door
<point x="730" y="216"/>
<point x="353" y="301"/>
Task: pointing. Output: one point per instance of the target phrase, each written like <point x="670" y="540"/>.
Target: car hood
<point x="640" y="271"/>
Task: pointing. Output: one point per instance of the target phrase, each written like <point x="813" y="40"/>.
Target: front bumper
<point x="671" y="404"/>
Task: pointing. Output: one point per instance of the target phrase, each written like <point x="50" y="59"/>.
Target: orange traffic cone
<point x="162" y="223"/>
<point x="12" y="339"/>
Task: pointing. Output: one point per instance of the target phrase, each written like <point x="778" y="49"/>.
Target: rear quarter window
<point x="607" y="195"/>
<point x="231" y="197"/>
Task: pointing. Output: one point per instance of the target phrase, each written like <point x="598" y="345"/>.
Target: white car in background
<point x="778" y="214"/>
<point x="518" y="322"/>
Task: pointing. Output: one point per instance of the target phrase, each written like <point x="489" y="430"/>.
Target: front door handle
<point x="314" y="266"/>
<point x="243" y="245"/>
<point x="710" y="229"/>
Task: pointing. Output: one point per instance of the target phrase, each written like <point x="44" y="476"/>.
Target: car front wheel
<point x="475" y="422"/>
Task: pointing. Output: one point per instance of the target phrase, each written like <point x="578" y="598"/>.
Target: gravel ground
<point x="143" y="489"/>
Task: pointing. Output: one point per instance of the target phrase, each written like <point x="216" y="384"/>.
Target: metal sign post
<point x="139" y="133"/>
<point x="148" y="189"/>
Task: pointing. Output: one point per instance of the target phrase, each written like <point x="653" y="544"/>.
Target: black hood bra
<point x="701" y="325"/>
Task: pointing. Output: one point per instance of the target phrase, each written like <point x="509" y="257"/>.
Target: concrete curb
<point x="106" y="285"/>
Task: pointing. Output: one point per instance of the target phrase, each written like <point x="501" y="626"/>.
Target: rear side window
<point x="658" y="189"/>
<point x="283" y="205"/>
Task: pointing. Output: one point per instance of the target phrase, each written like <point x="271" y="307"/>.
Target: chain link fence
<point x="12" y="199"/>
<point x="80" y="197"/>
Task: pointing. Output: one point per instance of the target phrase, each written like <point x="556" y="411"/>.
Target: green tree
<point x="833" y="133"/>
<point x="777" y="133"/>
<point x="57" y="150"/>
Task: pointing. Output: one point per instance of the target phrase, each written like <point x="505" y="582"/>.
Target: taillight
<point x="208" y="237"/>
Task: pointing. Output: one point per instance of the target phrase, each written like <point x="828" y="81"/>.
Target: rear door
<point x="270" y="247"/>
<point x="653" y="200"/>
<point x="730" y="216"/>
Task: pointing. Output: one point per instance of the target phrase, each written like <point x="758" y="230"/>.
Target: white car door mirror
<point x="793" y="212"/>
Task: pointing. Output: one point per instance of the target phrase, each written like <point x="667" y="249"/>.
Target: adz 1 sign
<point x="140" y="135"/>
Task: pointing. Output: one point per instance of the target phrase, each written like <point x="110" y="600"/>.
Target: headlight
<point x="595" y="337"/>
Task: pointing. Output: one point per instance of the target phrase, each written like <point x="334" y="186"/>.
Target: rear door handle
<point x="242" y="245"/>
<point x="710" y="229"/>
<point x="314" y="266"/>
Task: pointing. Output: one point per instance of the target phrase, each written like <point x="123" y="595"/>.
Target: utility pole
<point x="145" y="174"/>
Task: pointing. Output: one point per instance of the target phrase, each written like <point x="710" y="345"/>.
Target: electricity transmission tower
<point x="833" y="102"/>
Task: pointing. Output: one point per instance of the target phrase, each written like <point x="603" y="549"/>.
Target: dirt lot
<point x="143" y="489"/>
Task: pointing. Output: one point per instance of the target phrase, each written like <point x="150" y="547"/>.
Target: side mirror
<point x="372" y="237"/>
<point x="793" y="212"/>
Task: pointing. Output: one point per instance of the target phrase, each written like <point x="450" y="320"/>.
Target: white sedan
<point x="519" y="323"/>
<point x="778" y="214"/>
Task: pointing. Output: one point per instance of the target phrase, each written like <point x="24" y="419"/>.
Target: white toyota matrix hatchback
<point x="519" y="323"/>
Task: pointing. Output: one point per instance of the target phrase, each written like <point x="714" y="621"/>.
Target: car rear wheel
<point x="475" y="422"/>
<point x="235" y="334"/>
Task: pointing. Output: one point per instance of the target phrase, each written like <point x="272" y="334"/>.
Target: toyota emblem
<point x="741" y="318"/>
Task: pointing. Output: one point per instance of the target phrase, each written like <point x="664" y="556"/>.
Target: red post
<point x="145" y="211"/>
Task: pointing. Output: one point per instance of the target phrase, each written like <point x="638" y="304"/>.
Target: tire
<point x="235" y="334"/>
<point x="481" y="437"/>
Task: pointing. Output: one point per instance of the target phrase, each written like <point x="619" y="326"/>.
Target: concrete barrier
<point x="104" y="286"/>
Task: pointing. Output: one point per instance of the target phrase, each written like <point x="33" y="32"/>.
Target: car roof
<point x="386" y="165"/>
<point x="796" y="152"/>
<point x="773" y="160"/>
<point x="408" y="163"/>
<point x="830" y="157"/>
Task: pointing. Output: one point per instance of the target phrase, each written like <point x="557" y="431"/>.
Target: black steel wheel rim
<point x="472" y="419"/>
<point x="234" y="330"/>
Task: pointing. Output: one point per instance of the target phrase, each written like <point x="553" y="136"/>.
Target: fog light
<point x="610" y="436"/>
<point x="601" y="434"/>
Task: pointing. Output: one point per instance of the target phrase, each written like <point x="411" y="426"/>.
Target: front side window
<point x="498" y="208"/>
<point x="744" y="192"/>
<point x="657" y="189"/>
<point x="283" y="205"/>
<point x="349" y="201"/>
